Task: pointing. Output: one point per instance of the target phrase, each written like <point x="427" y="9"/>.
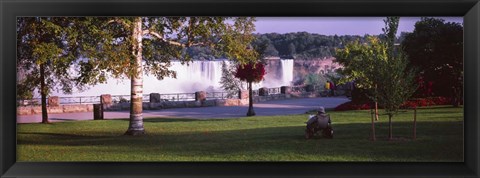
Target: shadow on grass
<point x="435" y="141"/>
<point x="154" y="120"/>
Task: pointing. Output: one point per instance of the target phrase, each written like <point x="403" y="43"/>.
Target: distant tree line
<point x="302" y="45"/>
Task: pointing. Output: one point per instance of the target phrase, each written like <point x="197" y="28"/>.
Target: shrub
<point x="359" y="95"/>
<point x="352" y="106"/>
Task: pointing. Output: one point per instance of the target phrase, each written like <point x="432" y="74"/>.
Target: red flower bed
<point x="431" y="101"/>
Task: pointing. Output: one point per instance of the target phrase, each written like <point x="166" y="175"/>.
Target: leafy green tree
<point x="396" y="85"/>
<point x="390" y="31"/>
<point x="435" y="48"/>
<point x="376" y="66"/>
<point x="306" y="45"/>
<point x="291" y="49"/>
<point x="46" y="49"/>
<point x="315" y="79"/>
<point x="359" y="61"/>
<point x="395" y="78"/>
<point x="130" y="46"/>
<point x="229" y="82"/>
<point x="312" y="79"/>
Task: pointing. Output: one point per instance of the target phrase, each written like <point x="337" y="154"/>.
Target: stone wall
<point x="27" y="110"/>
<point x="157" y="104"/>
<point x="180" y="104"/>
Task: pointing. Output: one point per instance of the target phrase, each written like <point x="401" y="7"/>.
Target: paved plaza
<point x="268" y="108"/>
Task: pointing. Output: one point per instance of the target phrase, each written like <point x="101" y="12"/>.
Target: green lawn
<point x="278" y="138"/>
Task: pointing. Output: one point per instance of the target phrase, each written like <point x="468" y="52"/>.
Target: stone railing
<point x="155" y="101"/>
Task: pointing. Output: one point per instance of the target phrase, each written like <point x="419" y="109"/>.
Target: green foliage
<point x="334" y="77"/>
<point x="304" y="45"/>
<point x="394" y="80"/>
<point x="390" y="31"/>
<point x="229" y="82"/>
<point x="359" y="60"/>
<point x="377" y="67"/>
<point x="435" y="48"/>
<point x="107" y="44"/>
<point x="396" y="83"/>
<point x="49" y="42"/>
<point x="315" y="79"/>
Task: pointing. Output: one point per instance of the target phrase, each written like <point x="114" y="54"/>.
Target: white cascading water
<point x="196" y="76"/>
<point x="287" y="71"/>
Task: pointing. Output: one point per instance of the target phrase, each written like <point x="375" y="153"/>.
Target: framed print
<point x="300" y="106"/>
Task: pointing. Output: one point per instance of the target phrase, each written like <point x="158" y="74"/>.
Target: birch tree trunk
<point x="136" y="104"/>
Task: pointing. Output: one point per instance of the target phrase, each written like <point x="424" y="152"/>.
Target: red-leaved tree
<point x="250" y="72"/>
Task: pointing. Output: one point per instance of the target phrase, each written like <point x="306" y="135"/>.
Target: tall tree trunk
<point x="373" y="125"/>
<point x="415" y="123"/>
<point x="376" y="104"/>
<point x="136" y="104"/>
<point x="250" y="100"/>
<point x="390" y="134"/>
<point x="43" y="93"/>
<point x="456" y="97"/>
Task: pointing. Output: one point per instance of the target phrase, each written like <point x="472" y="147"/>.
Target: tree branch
<point x="155" y="34"/>
<point x="119" y="21"/>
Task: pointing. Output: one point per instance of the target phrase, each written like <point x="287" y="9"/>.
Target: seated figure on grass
<point x="319" y="122"/>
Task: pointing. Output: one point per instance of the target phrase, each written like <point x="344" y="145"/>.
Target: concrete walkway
<point x="268" y="108"/>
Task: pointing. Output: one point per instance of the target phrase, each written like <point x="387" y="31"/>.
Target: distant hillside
<point x="298" y="45"/>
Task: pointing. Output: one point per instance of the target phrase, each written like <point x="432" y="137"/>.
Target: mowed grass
<point x="273" y="138"/>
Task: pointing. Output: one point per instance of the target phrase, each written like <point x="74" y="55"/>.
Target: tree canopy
<point x="46" y="49"/>
<point x="359" y="60"/>
<point x="304" y="45"/>
<point x="130" y="46"/>
<point x="229" y="82"/>
<point x="435" y="47"/>
<point x="49" y="42"/>
<point x="164" y="39"/>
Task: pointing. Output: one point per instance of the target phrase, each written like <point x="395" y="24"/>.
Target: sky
<point x="336" y="25"/>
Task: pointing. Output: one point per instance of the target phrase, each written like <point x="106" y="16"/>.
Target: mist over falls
<point x="196" y="76"/>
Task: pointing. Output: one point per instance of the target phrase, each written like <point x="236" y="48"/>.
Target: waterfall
<point x="287" y="71"/>
<point x="196" y="76"/>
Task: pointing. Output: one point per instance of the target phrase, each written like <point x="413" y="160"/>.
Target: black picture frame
<point x="10" y="9"/>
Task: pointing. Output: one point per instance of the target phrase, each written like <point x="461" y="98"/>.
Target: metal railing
<point x="178" y="97"/>
<point x="31" y="102"/>
<point x="219" y="95"/>
<point x="274" y="91"/>
<point x="255" y="92"/>
<point x="120" y="98"/>
<point x="79" y="100"/>
<point x="298" y="89"/>
<point x="146" y="97"/>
